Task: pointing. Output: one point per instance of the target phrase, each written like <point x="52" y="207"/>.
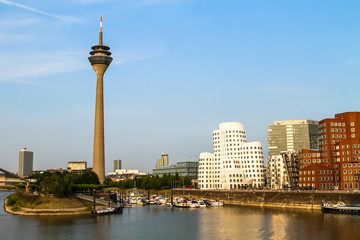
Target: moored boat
<point x="107" y="211"/>
<point x="340" y="207"/>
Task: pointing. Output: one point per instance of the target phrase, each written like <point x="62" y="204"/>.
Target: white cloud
<point x="58" y="16"/>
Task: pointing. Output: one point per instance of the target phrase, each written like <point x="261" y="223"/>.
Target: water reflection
<point x="159" y="222"/>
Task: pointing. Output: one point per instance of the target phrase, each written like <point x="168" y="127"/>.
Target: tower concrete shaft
<point x="100" y="60"/>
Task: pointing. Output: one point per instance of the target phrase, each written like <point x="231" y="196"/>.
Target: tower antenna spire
<point x="100" y="33"/>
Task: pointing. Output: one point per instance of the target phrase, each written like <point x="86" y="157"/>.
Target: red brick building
<point x="318" y="176"/>
<point x="339" y="141"/>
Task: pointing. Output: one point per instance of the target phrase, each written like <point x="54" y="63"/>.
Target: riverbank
<point x="46" y="205"/>
<point x="272" y="198"/>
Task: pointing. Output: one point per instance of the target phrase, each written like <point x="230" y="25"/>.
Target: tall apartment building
<point x="292" y="135"/>
<point x="235" y="163"/>
<point x="163" y="161"/>
<point x="339" y="154"/>
<point x="117" y="164"/>
<point x="25" y="166"/>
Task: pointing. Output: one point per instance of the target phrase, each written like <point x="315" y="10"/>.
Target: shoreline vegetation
<point x="20" y="203"/>
<point x="52" y="193"/>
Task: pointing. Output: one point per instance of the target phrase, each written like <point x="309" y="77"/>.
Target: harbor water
<point x="160" y="222"/>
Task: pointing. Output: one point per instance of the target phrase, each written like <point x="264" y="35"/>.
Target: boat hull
<point x="107" y="211"/>
<point x="342" y="210"/>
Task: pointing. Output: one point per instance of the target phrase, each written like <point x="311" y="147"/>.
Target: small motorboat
<point x="107" y="211"/>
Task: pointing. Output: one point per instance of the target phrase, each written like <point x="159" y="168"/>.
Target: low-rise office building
<point x="185" y="168"/>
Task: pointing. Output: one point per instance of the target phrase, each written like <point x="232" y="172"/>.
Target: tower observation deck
<point x="100" y="60"/>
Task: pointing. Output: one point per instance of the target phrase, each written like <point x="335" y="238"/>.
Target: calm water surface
<point x="160" y="222"/>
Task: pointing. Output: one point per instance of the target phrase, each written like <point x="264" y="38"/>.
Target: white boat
<point x="202" y="204"/>
<point x="107" y="211"/>
<point x="193" y="204"/>
<point x="133" y="201"/>
<point x="340" y="207"/>
<point x="216" y="203"/>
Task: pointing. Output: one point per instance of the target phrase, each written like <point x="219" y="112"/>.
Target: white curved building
<point x="236" y="164"/>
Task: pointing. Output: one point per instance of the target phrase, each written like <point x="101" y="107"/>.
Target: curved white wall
<point x="235" y="162"/>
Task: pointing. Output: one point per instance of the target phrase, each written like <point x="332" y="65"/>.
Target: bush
<point x="89" y="208"/>
<point x="10" y="201"/>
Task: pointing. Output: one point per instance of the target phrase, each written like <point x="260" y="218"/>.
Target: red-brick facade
<point x="339" y="151"/>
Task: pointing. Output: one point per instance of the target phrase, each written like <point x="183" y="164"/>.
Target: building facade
<point x="125" y="174"/>
<point x="235" y="163"/>
<point x="339" y="151"/>
<point x="186" y="168"/>
<point x="163" y="161"/>
<point x="25" y="166"/>
<point x="117" y="164"/>
<point x="208" y="177"/>
<point x="283" y="170"/>
<point x="292" y="135"/>
<point x="80" y="166"/>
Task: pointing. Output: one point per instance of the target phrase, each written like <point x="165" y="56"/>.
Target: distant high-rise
<point x="117" y="164"/>
<point x="163" y="162"/>
<point x="292" y="135"/>
<point x="100" y="60"/>
<point x="25" y="166"/>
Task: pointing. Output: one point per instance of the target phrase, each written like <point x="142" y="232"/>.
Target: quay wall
<point x="265" y="198"/>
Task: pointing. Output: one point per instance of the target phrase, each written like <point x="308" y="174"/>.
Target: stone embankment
<point x="268" y="198"/>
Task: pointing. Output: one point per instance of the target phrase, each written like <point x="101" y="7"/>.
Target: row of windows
<point x="350" y="171"/>
<point x="350" y="178"/>
<point x="311" y="154"/>
<point x="351" y="165"/>
<point x="313" y="172"/>
<point x="230" y="131"/>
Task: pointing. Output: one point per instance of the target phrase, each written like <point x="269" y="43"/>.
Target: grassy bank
<point x="29" y="204"/>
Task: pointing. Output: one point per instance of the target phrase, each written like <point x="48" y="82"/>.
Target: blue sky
<point x="180" y="68"/>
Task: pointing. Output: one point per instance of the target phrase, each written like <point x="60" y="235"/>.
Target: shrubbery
<point x="167" y="181"/>
<point x="65" y="184"/>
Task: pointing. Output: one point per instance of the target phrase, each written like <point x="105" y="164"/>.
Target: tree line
<point x="167" y="181"/>
<point x="62" y="184"/>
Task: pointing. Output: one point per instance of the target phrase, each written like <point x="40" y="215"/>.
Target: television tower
<point x="100" y="60"/>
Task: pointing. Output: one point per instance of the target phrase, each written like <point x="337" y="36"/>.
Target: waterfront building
<point x="100" y="60"/>
<point x="317" y="176"/>
<point x="163" y="161"/>
<point x="185" y="168"/>
<point x="339" y="149"/>
<point x="79" y="166"/>
<point x="283" y="170"/>
<point x="25" y="166"/>
<point x="208" y="176"/>
<point x="236" y="163"/>
<point x="292" y="135"/>
<point x="117" y="164"/>
<point x="125" y="174"/>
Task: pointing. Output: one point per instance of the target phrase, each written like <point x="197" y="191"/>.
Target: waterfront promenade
<point x="273" y="198"/>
